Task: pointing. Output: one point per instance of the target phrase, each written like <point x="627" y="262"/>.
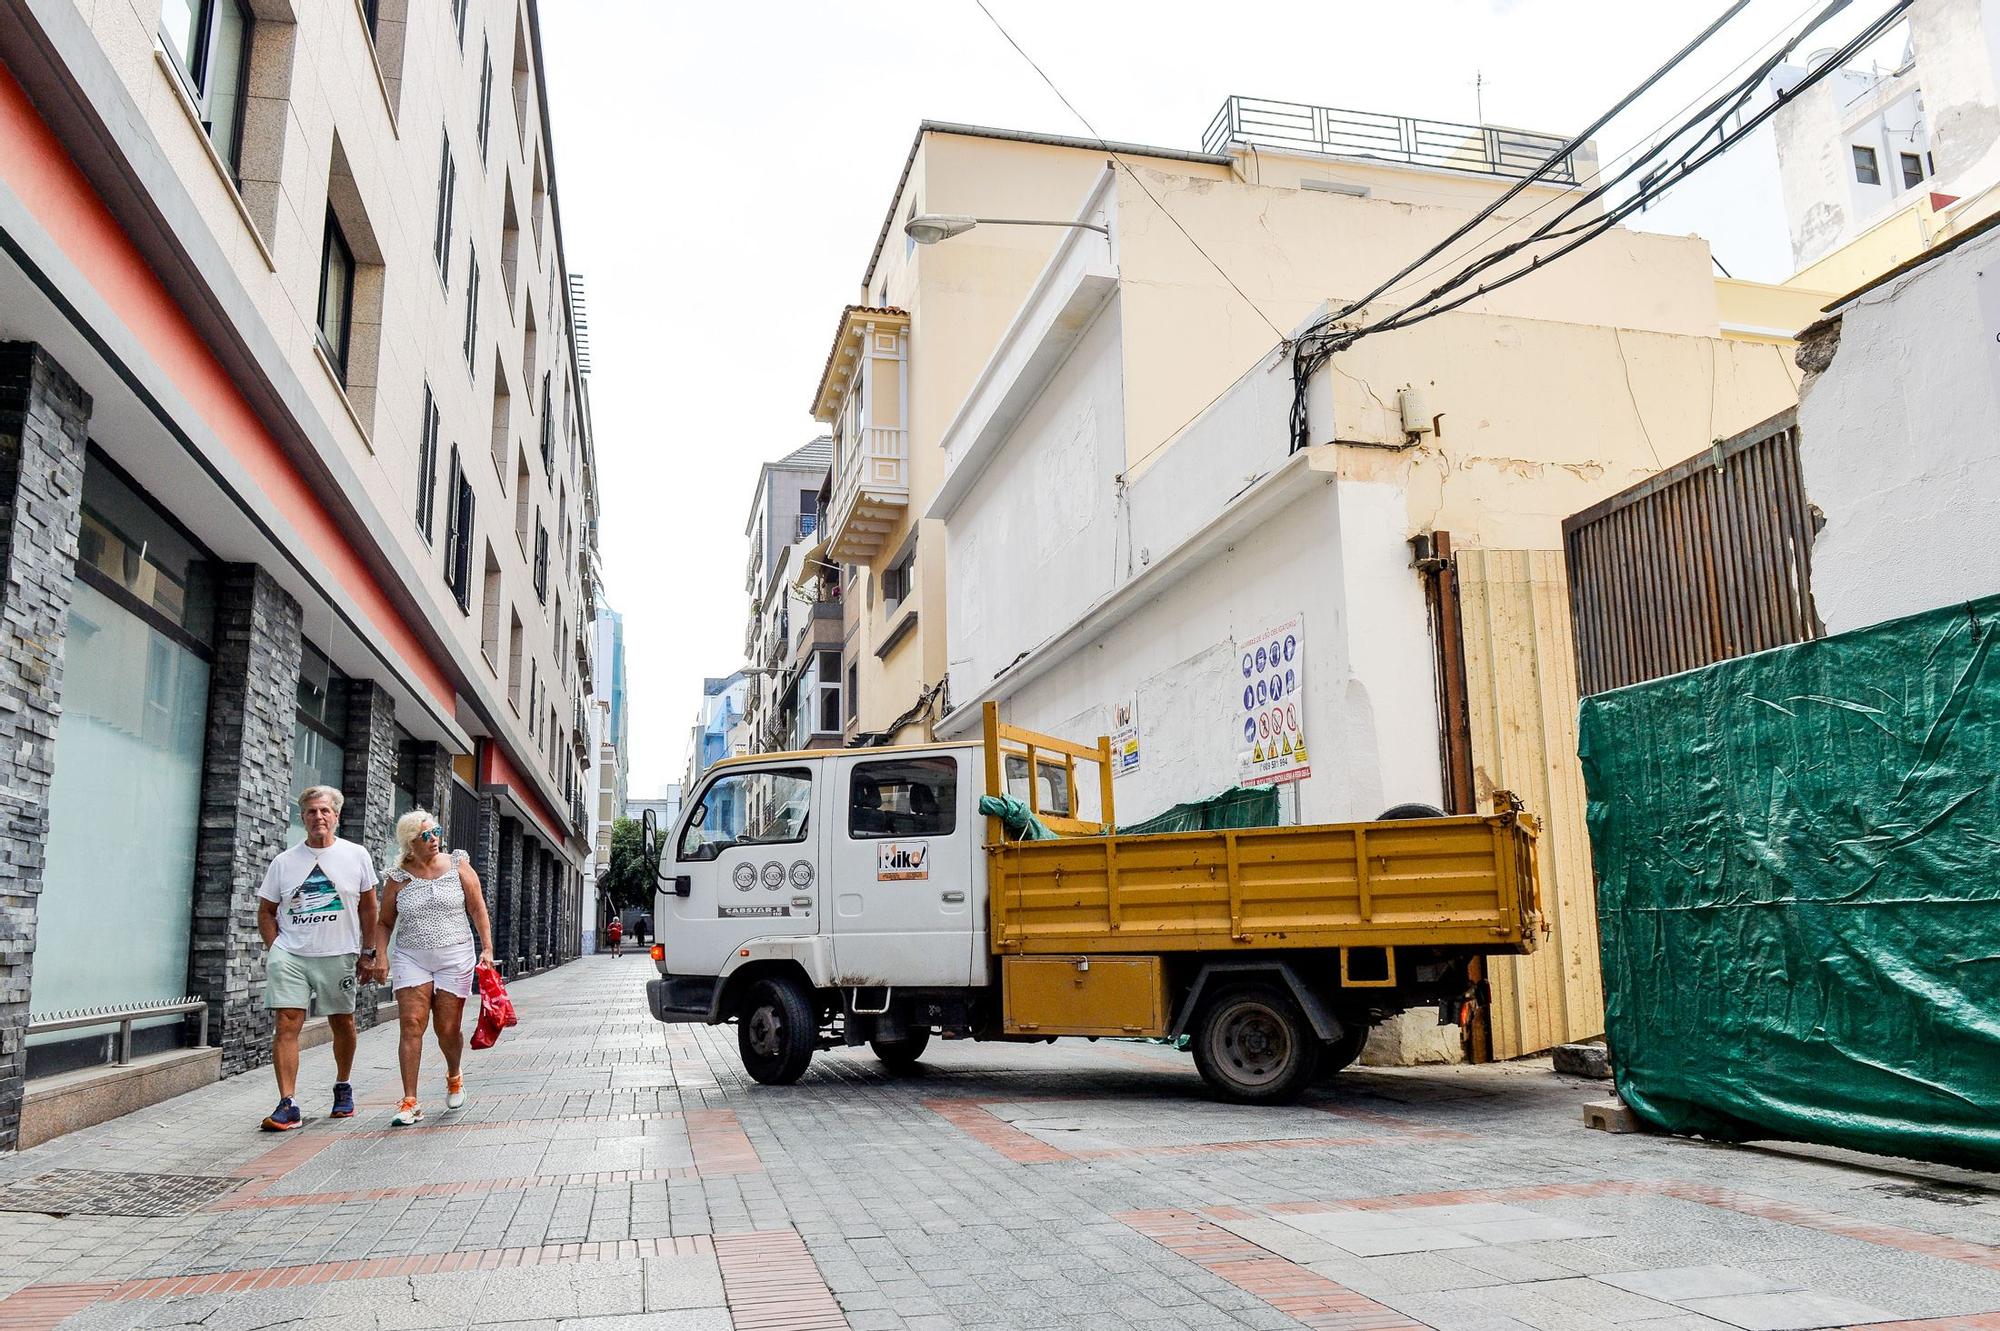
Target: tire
<point x="1254" y="1046"/>
<point x="1399" y="812"/>
<point x="900" y="1055"/>
<point x="776" y="1031"/>
<point x="1338" y="1054"/>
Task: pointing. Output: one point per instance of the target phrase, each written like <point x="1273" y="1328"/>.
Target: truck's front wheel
<point x="1254" y="1046"/>
<point x="775" y="1031"/>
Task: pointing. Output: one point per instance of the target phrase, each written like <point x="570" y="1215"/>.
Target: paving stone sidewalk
<point x="610" y="1173"/>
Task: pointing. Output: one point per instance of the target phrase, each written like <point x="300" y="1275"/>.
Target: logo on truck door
<point x="896" y="860"/>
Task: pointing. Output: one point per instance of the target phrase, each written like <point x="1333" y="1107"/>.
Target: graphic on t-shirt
<point x="316" y="900"/>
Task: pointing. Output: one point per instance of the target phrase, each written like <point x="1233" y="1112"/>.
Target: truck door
<point x="749" y="849"/>
<point x="900" y="871"/>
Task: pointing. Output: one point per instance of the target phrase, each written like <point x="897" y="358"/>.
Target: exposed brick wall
<point x="246" y="803"/>
<point x="44" y="421"/>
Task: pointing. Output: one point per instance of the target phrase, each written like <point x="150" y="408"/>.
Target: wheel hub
<point x="1255" y="1044"/>
<point x="767" y="1032"/>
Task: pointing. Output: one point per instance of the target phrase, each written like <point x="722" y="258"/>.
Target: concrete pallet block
<point x="1612" y="1115"/>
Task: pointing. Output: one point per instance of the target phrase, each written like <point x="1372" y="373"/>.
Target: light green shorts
<point x="293" y="982"/>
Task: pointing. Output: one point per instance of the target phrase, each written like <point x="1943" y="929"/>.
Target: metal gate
<point x="1708" y="560"/>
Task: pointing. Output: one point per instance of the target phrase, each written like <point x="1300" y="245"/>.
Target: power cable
<point x="1316" y="346"/>
<point x="1134" y="175"/>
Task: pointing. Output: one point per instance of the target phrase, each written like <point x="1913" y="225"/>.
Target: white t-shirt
<point x="318" y="893"/>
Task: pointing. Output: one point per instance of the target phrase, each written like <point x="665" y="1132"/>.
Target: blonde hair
<point x="331" y="794"/>
<point x="407" y="828"/>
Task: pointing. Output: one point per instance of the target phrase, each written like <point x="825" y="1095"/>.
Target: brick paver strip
<point x="39" y="1307"/>
<point x="770" y="1280"/>
<point x="1296" y="1291"/>
<point x="990" y="1130"/>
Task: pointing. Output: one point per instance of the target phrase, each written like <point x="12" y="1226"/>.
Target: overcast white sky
<point x="724" y="168"/>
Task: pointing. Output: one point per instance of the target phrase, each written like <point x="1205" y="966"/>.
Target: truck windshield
<point x="761" y="808"/>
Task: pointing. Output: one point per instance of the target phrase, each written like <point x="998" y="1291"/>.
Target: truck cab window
<point x="767" y="808"/>
<point x="902" y="798"/>
<point x="1052" y="789"/>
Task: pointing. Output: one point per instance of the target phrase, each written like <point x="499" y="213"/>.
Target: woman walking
<point x="434" y="915"/>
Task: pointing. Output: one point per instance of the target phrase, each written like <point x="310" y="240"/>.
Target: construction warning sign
<point x="1270" y="711"/>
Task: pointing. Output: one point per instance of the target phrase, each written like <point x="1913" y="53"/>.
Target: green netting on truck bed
<point x="1798" y="857"/>
<point x="1239" y="806"/>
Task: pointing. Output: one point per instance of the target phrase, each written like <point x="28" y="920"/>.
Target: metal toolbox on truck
<point x="1084" y="995"/>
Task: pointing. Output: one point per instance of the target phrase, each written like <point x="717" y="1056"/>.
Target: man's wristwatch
<point x="368" y="953"/>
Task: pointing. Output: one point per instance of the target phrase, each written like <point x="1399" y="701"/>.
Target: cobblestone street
<point x="609" y="1173"/>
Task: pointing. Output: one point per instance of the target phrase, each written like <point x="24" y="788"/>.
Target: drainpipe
<point x="1438" y="571"/>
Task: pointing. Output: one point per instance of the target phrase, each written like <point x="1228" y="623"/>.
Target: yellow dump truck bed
<point x="1444" y="882"/>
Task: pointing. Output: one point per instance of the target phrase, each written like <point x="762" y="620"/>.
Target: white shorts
<point x="447" y="968"/>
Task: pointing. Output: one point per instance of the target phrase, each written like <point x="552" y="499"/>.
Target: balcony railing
<point x="1406" y="139"/>
<point x="872" y="485"/>
<point x="808" y="524"/>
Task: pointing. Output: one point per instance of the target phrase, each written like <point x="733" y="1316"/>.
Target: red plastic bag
<point x="496" y="1010"/>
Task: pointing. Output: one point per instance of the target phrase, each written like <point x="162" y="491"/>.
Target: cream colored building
<point x="1122" y="513"/>
<point x="301" y="267"/>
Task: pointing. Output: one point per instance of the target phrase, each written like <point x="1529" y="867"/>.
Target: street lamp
<point x="930" y="228"/>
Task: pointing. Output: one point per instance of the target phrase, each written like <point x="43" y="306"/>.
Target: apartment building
<point x="793" y="637"/>
<point x="298" y="489"/>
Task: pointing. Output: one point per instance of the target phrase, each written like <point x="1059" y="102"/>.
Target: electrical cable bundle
<point x="1700" y="138"/>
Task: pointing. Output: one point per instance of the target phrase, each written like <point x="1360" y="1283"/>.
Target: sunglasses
<point x="431" y="834"/>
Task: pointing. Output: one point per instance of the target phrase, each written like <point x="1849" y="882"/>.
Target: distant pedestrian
<point x="315" y="910"/>
<point x="642" y="928"/>
<point x="436" y="911"/>
<point x="616" y="933"/>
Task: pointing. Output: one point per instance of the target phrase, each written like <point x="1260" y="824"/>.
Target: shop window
<point x="1865" y="169"/>
<point x="209" y="41"/>
<point x="769" y="808"/>
<point x="115" y="915"/>
<point x="319" y="730"/>
<point x="903" y="797"/>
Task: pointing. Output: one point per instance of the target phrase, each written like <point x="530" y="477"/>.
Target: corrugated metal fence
<point x="1708" y="560"/>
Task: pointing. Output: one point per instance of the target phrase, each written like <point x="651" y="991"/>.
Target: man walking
<point x="316" y="910"/>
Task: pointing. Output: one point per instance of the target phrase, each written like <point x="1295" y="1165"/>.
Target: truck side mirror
<point x="649" y="842"/>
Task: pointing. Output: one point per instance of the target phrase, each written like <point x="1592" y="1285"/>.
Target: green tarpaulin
<point x="1798" y="857"/>
<point x="1239" y="806"/>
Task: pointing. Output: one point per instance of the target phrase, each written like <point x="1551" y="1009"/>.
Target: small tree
<point x="627" y="884"/>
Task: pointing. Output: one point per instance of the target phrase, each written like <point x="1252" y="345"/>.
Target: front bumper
<point x="684" y="998"/>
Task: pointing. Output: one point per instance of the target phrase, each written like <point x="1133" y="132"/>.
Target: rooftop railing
<point x="1407" y="139"/>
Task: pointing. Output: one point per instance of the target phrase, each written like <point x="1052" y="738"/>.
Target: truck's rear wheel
<point x="904" y="1053"/>
<point x="1254" y="1046"/>
<point x="1397" y="813"/>
<point x="775" y="1031"/>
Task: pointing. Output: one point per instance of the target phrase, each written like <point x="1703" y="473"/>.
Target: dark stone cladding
<point x="246" y="803"/>
<point x="434" y="781"/>
<point x="44" y="423"/>
<point x="367" y="780"/>
<point x="502" y="893"/>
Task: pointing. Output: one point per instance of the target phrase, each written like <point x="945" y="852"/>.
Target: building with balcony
<point x="1128" y="518"/>
<point x="299" y="490"/>
<point x="793" y="635"/>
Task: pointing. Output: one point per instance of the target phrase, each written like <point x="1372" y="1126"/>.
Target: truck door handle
<point x="954" y="896"/>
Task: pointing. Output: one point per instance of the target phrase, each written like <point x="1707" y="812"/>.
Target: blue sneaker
<point x="285" y="1118"/>
<point x="343" y="1100"/>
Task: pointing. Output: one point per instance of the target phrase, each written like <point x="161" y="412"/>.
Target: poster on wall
<point x="1270" y="720"/>
<point x="1124" y="736"/>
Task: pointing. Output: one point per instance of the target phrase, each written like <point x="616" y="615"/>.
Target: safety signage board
<point x="1124" y="737"/>
<point x="1270" y="706"/>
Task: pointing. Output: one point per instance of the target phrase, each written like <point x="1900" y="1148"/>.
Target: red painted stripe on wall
<point x="38" y="169"/>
